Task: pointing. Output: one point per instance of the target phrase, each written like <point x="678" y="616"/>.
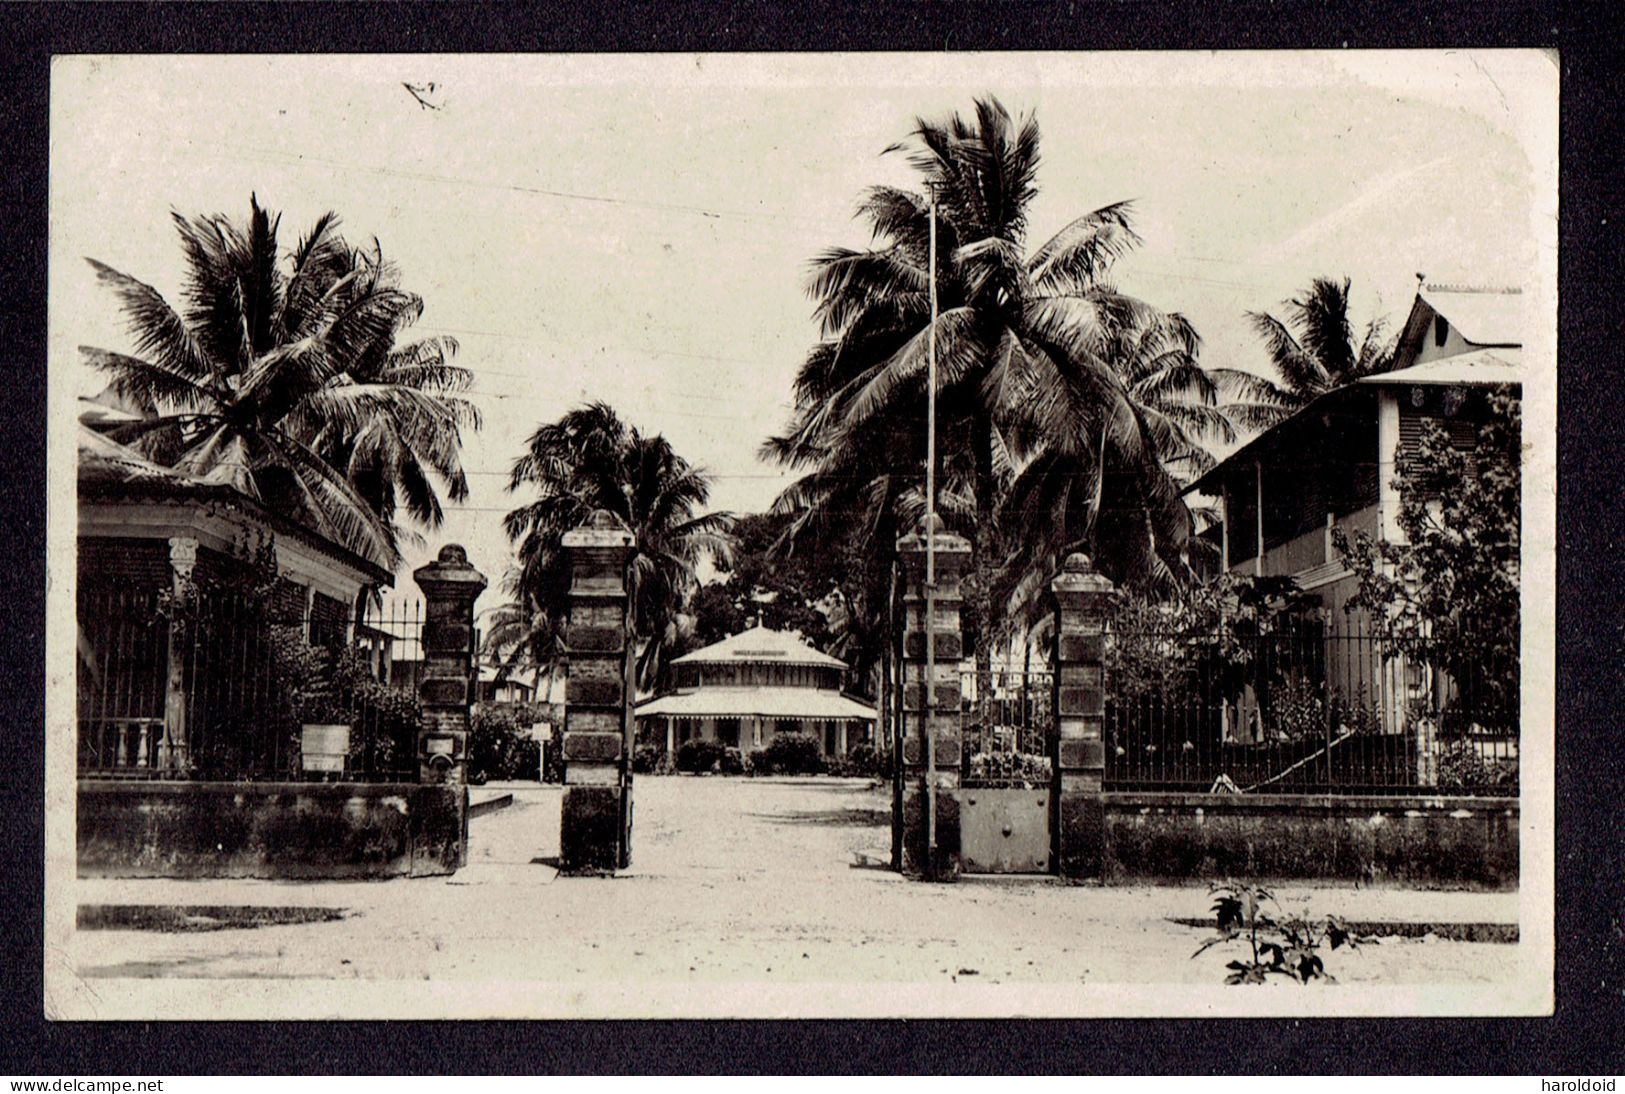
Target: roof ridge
<point x="1463" y="287"/>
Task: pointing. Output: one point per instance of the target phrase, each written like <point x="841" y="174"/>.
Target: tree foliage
<point x="1449" y="596"/>
<point x="1313" y="350"/>
<point x="283" y="377"/>
<point x="590" y="460"/>
<point x="1062" y="404"/>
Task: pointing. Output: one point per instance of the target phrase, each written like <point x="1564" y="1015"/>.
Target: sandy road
<point x="743" y="881"/>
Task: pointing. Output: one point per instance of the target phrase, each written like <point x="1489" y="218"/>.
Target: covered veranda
<point x="750" y="717"/>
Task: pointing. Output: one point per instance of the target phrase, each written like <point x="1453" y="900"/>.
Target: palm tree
<point x="521" y="638"/>
<point x="395" y="460"/>
<point x="1313" y="351"/>
<point x="589" y="460"/>
<point x="1078" y="492"/>
<point x="282" y="377"/>
<point x="1030" y="362"/>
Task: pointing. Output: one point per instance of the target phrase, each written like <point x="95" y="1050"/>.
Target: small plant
<point x="1463" y="769"/>
<point x="1279" y="945"/>
<point x="732" y="762"/>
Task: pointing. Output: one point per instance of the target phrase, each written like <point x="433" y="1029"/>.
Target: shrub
<point x="1463" y="768"/>
<point x="1010" y="768"/>
<point x="864" y="760"/>
<point x="756" y="762"/>
<point x="731" y="763"/>
<point x="794" y="754"/>
<point x="500" y="745"/>
<point x="648" y="759"/>
<point x="699" y="755"/>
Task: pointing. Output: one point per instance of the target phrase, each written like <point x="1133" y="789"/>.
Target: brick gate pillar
<point x="940" y="715"/>
<point x="596" y="818"/>
<point x="1083" y="602"/>
<point x="450" y="586"/>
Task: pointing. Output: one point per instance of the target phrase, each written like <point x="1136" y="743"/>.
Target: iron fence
<point x="1006" y="721"/>
<point x="224" y="686"/>
<point x="1301" y="711"/>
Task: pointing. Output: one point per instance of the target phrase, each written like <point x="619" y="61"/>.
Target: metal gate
<point x="1004" y="800"/>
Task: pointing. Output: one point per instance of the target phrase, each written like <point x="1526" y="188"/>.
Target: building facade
<point x="749" y="688"/>
<point x="168" y="655"/>
<point x="1331" y="467"/>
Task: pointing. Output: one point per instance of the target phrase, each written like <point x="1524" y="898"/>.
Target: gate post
<point x="940" y="717"/>
<point x="1083" y="601"/>
<point x="596" y="818"/>
<point x="450" y="586"/>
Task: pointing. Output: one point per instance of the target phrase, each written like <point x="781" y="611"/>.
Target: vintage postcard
<point x="746" y="535"/>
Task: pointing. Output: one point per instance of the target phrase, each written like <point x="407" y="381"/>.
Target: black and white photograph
<point x="817" y="535"/>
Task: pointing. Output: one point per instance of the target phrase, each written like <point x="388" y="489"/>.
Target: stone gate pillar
<point x="596" y="818"/>
<point x="450" y="586"/>
<point x="1083" y="603"/>
<point x="931" y="706"/>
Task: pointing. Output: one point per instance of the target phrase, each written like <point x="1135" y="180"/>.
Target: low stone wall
<point x="270" y="830"/>
<point x="1417" y="840"/>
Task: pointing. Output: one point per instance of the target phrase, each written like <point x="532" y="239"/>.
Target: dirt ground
<point x="744" y="881"/>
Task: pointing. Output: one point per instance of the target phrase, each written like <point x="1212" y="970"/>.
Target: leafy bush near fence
<point x="500" y="745"/>
<point x="1205" y="643"/>
<point x="699" y="755"/>
<point x="318" y="685"/>
<point x="1301" y="710"/>
<point x="1011" y="768"/>
<point x="1462" y="768"/>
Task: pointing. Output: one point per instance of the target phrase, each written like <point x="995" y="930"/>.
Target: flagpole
<point x="928" y="704"/>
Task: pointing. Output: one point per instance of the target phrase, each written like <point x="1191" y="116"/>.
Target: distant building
<point x="747" y="689"/>
<point x="509" y="689"/>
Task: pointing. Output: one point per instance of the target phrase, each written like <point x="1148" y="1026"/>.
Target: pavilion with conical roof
<point x="748" y="688"/>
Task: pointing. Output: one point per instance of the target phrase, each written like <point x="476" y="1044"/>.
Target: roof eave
<point x="115" y="492"/>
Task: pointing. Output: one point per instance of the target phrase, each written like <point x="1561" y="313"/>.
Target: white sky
<point x="637" y="228"/>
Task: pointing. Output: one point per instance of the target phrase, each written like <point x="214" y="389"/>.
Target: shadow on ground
<point x="839" y="818"/>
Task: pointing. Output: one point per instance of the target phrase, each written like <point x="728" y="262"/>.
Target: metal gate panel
<point x="1004" y="830"/>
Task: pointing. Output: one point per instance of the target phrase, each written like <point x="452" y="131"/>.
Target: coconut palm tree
<point x="283" y="378"/>
<point x="521" y="638"/>
<point x="1313" y="351"/>
<point x="1078" y="492"/>
<point x="589" y="460"/>
<point x="1036" y="357"/>
<point x="404" y="459"/>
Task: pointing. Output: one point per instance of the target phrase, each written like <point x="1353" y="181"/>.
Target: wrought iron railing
<point x="1006" y="721"/>
<point x="221" y="686"/>
<point x="1304" y="711"/>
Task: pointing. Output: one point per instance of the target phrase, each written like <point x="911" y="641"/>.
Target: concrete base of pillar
<point x="1079" y="833"/>
<point x="593" y="821"/>
<point x="914" y="834"/>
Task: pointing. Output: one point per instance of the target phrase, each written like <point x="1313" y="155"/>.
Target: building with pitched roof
<point x="748" y="688"/>
<point x="1331" y="465"/>
<point x="147" y="532"/>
